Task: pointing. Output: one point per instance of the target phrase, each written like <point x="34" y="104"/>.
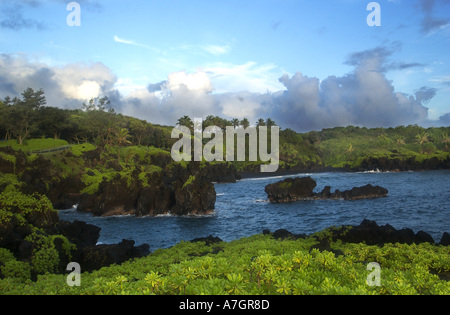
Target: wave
<point x="274" y="177"/>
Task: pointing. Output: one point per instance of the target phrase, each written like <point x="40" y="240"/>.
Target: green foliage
<point x="79" y="149"/>
<point x="190" y="180"/>
<point x="45" y="258"/>
<point x="31" y="216"/>
<point x="351" y="145"/>
<point x="93" y="178"/>
<point x="35" y="144"/>
<point x="18" y="270"/>
<point x="36" y="209"/>
<point x="261" y="265"/>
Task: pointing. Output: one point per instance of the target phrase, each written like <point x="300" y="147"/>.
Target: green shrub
<point x="17" y="270"/>
<point x="261" y="265"/>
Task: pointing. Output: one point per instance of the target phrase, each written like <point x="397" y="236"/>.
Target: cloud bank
<point x="363" y="97"/>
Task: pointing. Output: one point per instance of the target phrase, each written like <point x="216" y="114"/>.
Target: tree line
<point x="27" y="117"/>
<point x="224" y="123"/>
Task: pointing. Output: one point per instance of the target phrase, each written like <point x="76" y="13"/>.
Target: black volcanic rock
<point x="96" y="257"/>
<point x="180" y="191"/>
<point x="294" y="189"/>
<point x="364" y="192"/>
<point x="373" y="234"/>
<point x="445" y="240"/>
<point x="291" y="189"/>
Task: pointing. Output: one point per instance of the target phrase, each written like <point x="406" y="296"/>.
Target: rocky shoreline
<point x="179" y="189"/>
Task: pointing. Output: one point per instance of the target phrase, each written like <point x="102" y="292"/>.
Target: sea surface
<point x="416" y="200"/>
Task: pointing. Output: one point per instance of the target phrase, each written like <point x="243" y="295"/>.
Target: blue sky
<point x="309" y="64"/>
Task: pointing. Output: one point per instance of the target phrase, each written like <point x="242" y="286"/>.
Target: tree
<point x="139" y="129"/>
<point x="53" y="121"/>
<point x="99" y="104"/>
<point x="446" y="140"/>
<point x="399" y="140"/>
<point x="121" y="136"/>
<point x="23" y="112"/>
<point x="351" y="149"/>
<point x="5" y="118"/>
<point x="186" y="121"/>
<point x="245" y="123"/>
<point x="270" y="123"/>
<point x="260" y="123"/>
<point x="235" y="123"/>
<point x="422" y="139"/>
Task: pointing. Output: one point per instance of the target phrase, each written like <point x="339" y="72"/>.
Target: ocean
<point x="416" y="200"/>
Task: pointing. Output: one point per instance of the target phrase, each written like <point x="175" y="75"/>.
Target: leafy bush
<point x="36" y="209"/>
<point x="261" y="265"/>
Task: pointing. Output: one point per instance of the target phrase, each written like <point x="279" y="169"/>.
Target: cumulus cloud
<point x="181" y="94"/>
<point x="445" y="119"/>
<point x="66" y="86"/>
<point x="364" y="97"/>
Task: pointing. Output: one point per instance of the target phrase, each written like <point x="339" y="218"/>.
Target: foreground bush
<point x="260" y="265"/>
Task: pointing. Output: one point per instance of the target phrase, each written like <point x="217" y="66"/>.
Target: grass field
<point x="35" y="144"/>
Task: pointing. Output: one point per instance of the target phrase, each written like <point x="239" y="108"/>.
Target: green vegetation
<point x="351" y="145"/>
<point x="33" y="145"/>
<point x="190" y="180"/>
<point x="97" y="125"/>
<point x="31" y="216"/>
<point x="257" y="265"/>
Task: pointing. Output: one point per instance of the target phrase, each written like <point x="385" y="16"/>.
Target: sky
<point x="308" y="65"/>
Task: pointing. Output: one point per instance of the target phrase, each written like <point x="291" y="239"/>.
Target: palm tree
<point x="351" y="149"/>
<point x="270" y="123"/>
<point x="446" y="140"/>
<point x="245" y="123"/>
<point x="186" y="121"/>
<point x="235" y="123"/>
<point x="260" y="123"/>
<point x="400" y="140"/>
<point x="122" y="137"/>
<point x="422" y="139"/>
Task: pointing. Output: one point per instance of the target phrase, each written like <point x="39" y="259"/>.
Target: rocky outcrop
<point x="96" y="257"/>
<point x="373" y="234"/>
<point x="368" y="232"/>
<point x="91" y="256"/>
<point x="364" y="192"/>
<point x="291" y="189"/>
<point x="295" y="189"/>
<point x="182" y="190"/>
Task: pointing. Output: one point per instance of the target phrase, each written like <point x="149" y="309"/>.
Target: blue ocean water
<point x="416" y="200"/>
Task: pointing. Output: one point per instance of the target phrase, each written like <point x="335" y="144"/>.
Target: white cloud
<point x="133" y="43"/>
<point x="216" y="49"/>
<point x="67" y="85"/>
<point x="246" y="77"/>
<point x="198" y="81"/>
